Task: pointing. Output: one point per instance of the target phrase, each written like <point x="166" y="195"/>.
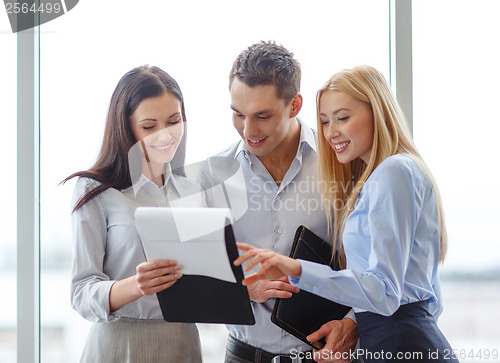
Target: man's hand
<point x="341" y="337"/>
<point x="263" y="290"/>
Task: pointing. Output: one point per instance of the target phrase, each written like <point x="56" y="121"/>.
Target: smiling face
<point x="265" y="123"/>
<point x="157" y="122"/>
<point x="347" y="125"/>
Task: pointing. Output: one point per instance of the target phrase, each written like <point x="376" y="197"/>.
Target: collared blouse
<point x="391" y="242"/>
<point x="107" y="247"/>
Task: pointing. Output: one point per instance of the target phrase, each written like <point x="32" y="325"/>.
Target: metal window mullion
<point x="28" y="272"/>
<point x="401" y="55"/>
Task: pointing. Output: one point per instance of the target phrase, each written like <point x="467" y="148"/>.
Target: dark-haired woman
<point x="140" y="164"/>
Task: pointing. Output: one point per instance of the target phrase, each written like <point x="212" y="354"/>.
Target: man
<point x="277" y="156"/>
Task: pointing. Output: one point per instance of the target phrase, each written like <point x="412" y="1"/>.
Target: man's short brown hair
<point x="268" y="63"/>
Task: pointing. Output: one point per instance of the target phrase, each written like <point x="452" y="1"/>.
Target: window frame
<point x="28" y="201"/>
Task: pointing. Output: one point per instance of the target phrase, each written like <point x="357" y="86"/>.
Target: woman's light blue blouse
<point x="107" y="248"/>
<point x="391" y="242"/>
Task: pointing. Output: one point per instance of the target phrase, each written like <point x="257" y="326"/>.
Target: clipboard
<point x="196" y="297"/>
<point x="304" y="312"/>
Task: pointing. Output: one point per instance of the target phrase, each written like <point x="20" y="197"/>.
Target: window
<point x="456" y="127"/>
<point x="198" y="51"/>
<point x="8" y="185"/>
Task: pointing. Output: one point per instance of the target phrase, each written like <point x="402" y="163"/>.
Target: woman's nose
<point x="331" y="132"/>
<point x="164" y="134"/>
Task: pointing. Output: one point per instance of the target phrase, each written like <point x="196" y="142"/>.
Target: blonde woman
<point x="386" y="217"/>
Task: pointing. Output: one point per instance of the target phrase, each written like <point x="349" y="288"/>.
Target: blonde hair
<point x="391" y="136"/>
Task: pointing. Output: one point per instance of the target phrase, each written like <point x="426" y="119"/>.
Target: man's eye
<point x="263" y="117"/>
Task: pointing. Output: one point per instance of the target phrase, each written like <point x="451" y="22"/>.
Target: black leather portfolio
<point x="304" y="313"/>
<point x="203" y="299"/>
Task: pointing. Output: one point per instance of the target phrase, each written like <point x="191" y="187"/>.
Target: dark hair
<point x="112" y="168"/>
<point x="268" y="63"/>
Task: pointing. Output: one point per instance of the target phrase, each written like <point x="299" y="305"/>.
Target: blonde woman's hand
<point x="272" y="265"/>
<point x="155" y="276"/>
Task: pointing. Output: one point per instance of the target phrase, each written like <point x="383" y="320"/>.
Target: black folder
<point x="304" y="313"/>
<point x="203" y="299"/>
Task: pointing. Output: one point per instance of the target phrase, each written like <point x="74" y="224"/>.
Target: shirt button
<point x="278" y="197"/>
<point x="280" y="231"/>
<point x="314" y="287"/>
<point x="306" y="285"/>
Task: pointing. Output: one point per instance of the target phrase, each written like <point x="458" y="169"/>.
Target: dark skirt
<point x="129" y="340"/>
<point x="409" y="335"/>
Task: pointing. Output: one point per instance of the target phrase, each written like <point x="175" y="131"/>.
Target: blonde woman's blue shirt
<point x="391" y="242"/>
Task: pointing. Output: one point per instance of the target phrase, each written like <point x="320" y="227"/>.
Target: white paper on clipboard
<point x="194" y="237"/>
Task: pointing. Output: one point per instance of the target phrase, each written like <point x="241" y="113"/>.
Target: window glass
<point x="85" y="52"/>
<point x="456" y="127"/>
<point x="8" y="186"/>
